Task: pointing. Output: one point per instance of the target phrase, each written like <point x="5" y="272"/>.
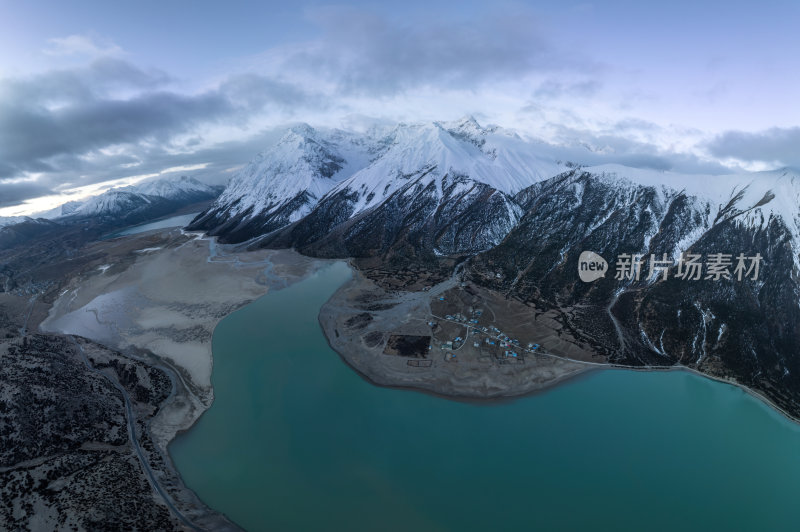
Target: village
<point x="468" y="333"/>
<point x="454" y="338"/>
<point x="469" y="326"/>
<point x="466" y="327"/>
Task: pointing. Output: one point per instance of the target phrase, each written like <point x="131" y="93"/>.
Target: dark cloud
<point x="31" y="135"/>
<point x="364" y="53"/>
<point x="254" y="92"/>
<point x="71" y="86"/>
<point x="141" y="159"/>
<point x="14" y="193"/>
<point x="109" y="71"/>
<point x="61" y="123"/>
<point x="552" y="89"/>
<point x="73" y="112"/>
<point x="112" y="119"/>
<point x="591" y="148"/>
<point x="775" y="145"/>
<point x="220" y="157"/>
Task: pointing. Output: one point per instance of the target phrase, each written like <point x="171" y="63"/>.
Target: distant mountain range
<point x="452" y="188"/>
<point x="11" y="220"/>
<point x="118" y="207"/>
<point x="426" y="197"/>
<point x="435" y="194"/>
<point x="136" y="200"/>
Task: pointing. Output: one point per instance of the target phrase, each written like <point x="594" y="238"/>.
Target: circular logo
<point x="591" y="266"/>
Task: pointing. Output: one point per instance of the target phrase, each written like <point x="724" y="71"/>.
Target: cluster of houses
<point x="511" y="346"/>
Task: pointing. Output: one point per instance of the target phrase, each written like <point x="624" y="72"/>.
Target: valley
<point x="463" y="250"/>
<point x="417" y="201"/>
<point x="131" y="340"/>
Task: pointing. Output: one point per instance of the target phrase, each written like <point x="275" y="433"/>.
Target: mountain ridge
<point x="438" y="194"/>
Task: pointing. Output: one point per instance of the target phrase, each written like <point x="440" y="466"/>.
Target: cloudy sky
<point x="98" y="93"/>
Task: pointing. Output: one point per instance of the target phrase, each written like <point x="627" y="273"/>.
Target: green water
<point x="173" y="221"/>
<point x="297" y="441"/>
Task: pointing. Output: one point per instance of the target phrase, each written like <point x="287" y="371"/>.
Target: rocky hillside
<point x="744" y="328"/>
<point x="66" y="460"/>
<point x="433" y="195"/>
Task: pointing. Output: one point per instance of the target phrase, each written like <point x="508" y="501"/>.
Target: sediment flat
<point x="158" y="297"/>
<point x="361" y="317"/>
<point x="164" y="293"/>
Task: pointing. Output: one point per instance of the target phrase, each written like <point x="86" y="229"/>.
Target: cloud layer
<point x="775" y="146"/>
<point x="107" y="117"/>
<point x="365" y="54"/>
<point x="73" y="127"/>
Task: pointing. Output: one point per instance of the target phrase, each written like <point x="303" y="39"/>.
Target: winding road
<point x="131" y="418"/>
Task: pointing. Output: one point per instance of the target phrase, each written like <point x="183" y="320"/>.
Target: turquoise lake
<point x="296" y="440"/>
<point x="173" y="221"/>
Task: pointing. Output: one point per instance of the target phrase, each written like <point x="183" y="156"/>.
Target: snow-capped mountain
<point x="426" y="154"/>
<point x="283" y="183"/>
<point x="426" y="194"/>
<point x="156" y="194"/>
<point x="415" y="181"/>
<point x="748" y="200"/>
<point x="143" y="196"/>
<point x="184" y="188"/>
<point x="146" y="200"/>
<point x="65" y="209"/>
<point x="456" y="187"/>
<point x="11" y="220"/>
<point x="746" y="329"/>
<point x="112" y="202"/>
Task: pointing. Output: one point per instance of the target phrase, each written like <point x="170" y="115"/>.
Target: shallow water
<point x="174" y="221"/>
<point x="296" y="440"/>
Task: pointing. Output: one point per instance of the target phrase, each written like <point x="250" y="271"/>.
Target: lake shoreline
<point x="293" y="267"/>
<point x="500" y="398"/>
<point x="148" y="283"/>
<point x="326" y="319"/>
<point x="447" y="380"/>
<point x="749" y="391"/>
<point x="319" y="405"/>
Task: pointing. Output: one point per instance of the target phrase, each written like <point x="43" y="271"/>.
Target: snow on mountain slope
<point x="137" y="197"/>
<point x="172" y="188"/>
<point x="434" y="189"/>
<point x="118" y="200"/>
<point x="653" y="319"/>
<point x="303" y="161"/>
<point x="11" y="220"/>
<point x="748" y="199"/>
<point x="357" y="172"/>
<point x="283" y="183"/>
<point x="65" y="209"/>
<point x="417" y="171"/>
<point x="428" y="152"/>
<point x="110" y="202"/>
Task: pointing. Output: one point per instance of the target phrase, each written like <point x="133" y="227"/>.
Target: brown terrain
<point x="452" y="338"/>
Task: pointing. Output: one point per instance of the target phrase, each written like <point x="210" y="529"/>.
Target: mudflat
<point x="369" y="327"/>
<point x="163" y="294"/>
